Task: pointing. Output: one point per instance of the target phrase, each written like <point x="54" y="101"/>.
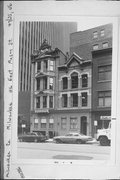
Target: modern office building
<point x="96" y="44"/>
<point x="61" y="92"/>
<point x="31" y="36"/>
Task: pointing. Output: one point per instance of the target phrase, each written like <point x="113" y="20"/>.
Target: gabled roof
<point x="76" y="57"/>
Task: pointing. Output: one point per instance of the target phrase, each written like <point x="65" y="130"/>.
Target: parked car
<point x="32" y="137"/>
<point x="73" y="138"/>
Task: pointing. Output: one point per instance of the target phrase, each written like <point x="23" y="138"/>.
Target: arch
<point x="74" y="80"/>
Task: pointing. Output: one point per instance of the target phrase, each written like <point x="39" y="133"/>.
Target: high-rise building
<point x="32" y="35"/>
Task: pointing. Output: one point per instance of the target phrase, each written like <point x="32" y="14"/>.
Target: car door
<point x="68" y="138"/>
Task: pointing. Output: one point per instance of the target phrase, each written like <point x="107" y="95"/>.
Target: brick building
<point x="96" y="44"/>
<point x="61" y="92"/>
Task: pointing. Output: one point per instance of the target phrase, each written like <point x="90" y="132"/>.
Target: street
<point x="50" y="150"/>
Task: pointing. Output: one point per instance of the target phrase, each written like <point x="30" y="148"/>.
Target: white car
<point x="73" y="138"/>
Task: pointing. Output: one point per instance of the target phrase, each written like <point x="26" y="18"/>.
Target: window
<point x="44" y="101"/>
<point x="51" y="101"/>
<point x="64" y="100"/>
<point x="95" y="47"/>
<point x="102" y="32"/>
<point x="43" y="123"/>
<point x="38" y="83"/>
<point x="74" y="80"/>
<point x="105" y="45"/>
<point x="74" y="100"/>
<point x="63" y="123"/>
<point x="104" y="98"/>
<point x="104" y="73"/>
<point x="65" y="82"/>
<point x="51" y="84"/>
<point x="39" y="66"/>
<point x="45" y="83"/>
<point x="95" y="34"/>
<point x="84" y="80"/>
<point x="38" y="102"/>
<point x="51" y="65"/>
<point x="51" y="123"/>
<point x="84" y="98"/>
<point x="36" y="123"/>
<point x="73" y="123"/>
<point x="45" y="65"/>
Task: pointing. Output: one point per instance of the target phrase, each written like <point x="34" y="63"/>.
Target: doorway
<point x="83" y="128"/>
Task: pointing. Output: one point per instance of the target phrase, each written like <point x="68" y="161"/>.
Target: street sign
<point x="95" y="123"/>
<point x="23" y="125"/>
<point x="105" y="117"/>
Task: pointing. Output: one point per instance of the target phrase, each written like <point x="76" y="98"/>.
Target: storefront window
<point x="63" y="123"/>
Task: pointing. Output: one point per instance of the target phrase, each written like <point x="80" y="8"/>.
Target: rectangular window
<point x="95" y="34"/>
<point x="51" y="65"/>
<point x="105" y="45"/>
<point x="74" y="100"/>
<point x="45" y="83"/>
<point x="51" y="84"/>
<point x="38" y="66"/>
<point x="51" y="123"/>
<point x="38" y="102"/>
<point x="74" y="81"/>
<point x="44" y="101"/>
<point x="43" y="123"/>
<point x="84" y="98"/>
<point x="104" y="73"/>
<point x="65" y="82"/>
<point x="104" y="99"/>
<point x="73" y="123"/>
<point x="95" y="47"/>
<point x="51" y="101"/>
<point x="84" y="80"/>
<point x="36" y="123"/>
<point x="64" y="100"/>
<point x="63" y="123"/>
<point x="102" y="32"/>
<point x="45" y="65"/>
<point x="38" y="84"/>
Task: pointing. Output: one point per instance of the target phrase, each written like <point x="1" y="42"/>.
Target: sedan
<point x="32" y="137"/>
<point x="73" y="138"/>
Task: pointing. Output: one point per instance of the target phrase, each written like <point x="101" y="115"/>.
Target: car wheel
<point x="104" y="141"/>
<point x="58" y="141"/>
<point x="78" y="141"/>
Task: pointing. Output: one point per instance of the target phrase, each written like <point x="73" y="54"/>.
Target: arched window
<point x="65" y="82"/>
<point x="74" y="80"/>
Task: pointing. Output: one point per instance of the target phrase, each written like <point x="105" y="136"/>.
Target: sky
<point x="85" y="23"/>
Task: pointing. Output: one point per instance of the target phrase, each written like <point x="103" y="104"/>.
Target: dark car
<point x="73" y="138"/>
<point x="32" y="137"/>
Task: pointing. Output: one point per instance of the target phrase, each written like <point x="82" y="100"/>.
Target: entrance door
<point x="83" y="125"/>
